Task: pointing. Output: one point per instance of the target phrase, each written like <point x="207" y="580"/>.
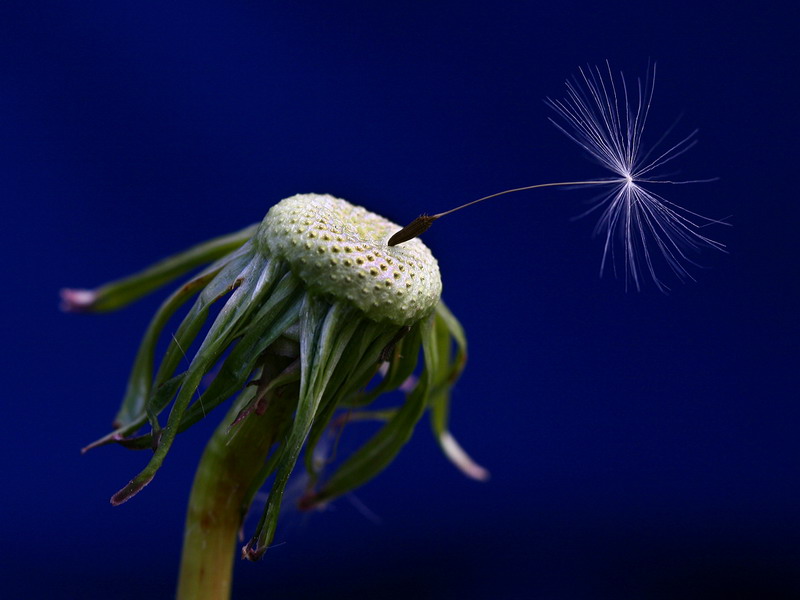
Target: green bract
<point x="315" y="306"/>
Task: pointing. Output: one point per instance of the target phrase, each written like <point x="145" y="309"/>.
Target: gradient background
<point x="641" y="445"/>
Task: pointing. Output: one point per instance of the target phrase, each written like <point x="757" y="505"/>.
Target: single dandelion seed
<point x="604" y="118"/>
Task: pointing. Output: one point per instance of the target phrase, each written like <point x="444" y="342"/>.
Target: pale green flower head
<point x="340" y="250"/>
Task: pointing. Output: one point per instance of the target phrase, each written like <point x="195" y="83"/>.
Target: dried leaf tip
<point x="77" y="301"/>
<point x="414" y="229"/>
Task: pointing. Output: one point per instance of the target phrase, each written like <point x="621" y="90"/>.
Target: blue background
<point x="641" y="445"/>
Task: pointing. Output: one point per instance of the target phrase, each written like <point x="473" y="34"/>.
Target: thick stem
<point x="218" y="502"/>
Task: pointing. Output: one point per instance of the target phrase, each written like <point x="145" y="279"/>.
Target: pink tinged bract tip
<point x="77" y="300"/>
<point x="409" y="384"/>
<point x="130" y="490"/>
<point x="461" y="459"/>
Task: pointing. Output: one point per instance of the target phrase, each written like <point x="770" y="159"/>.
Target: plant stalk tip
<point x="77" y="300"/>
<point x="252" y="552"/>
<point x="130" y="490"/>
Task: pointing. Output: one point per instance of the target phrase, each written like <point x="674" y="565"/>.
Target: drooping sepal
<point x="449" y="328"/>
<point x="120" y="293"/>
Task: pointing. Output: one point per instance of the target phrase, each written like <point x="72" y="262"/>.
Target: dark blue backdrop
<point x="641" y="445"/>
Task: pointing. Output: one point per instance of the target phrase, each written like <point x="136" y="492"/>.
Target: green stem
<point x="231" y="462"/>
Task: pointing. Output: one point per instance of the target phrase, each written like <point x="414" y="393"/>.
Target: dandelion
<point x="604" y="118"/>
<point x="321" y="302"/>
<point x="316" y="306"/>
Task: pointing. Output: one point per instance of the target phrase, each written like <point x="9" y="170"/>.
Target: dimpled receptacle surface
<point x="340" y="249"/>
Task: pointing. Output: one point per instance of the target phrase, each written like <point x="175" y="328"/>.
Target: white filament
<point x="603" y="119"/>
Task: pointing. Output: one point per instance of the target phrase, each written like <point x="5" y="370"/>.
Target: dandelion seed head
<point x="641" y="229"/>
